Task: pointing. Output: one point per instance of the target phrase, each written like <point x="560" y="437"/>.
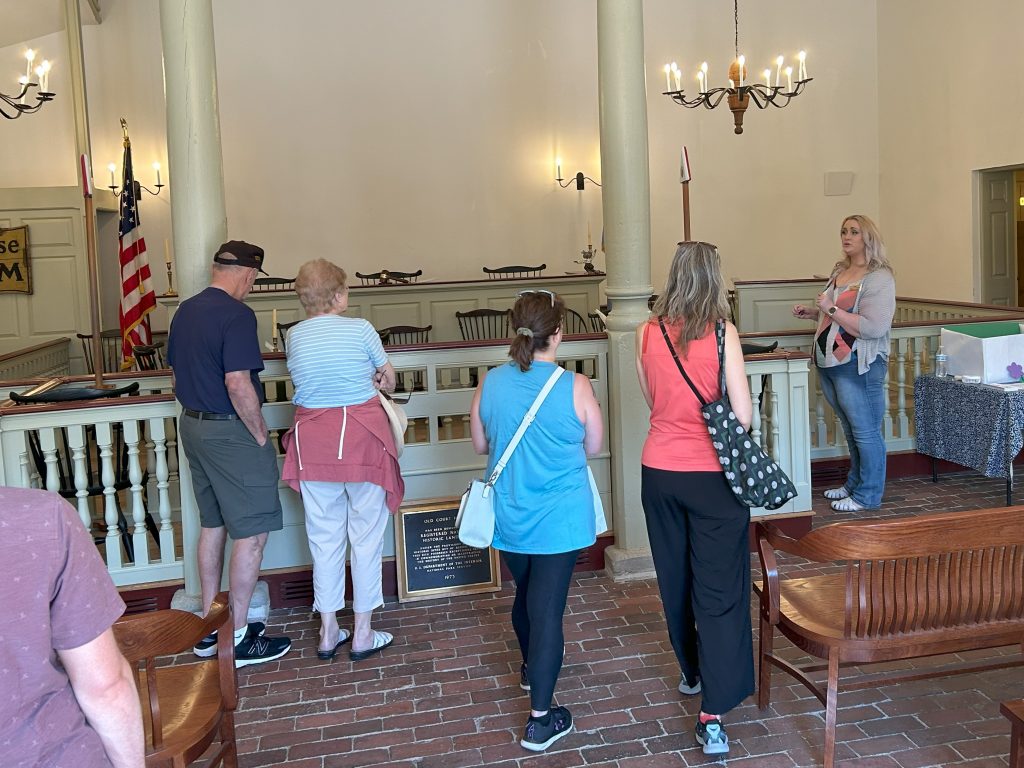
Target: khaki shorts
<point x="234" y="479"/>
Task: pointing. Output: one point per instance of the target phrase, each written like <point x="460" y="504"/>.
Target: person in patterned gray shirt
<point x="67" y="695"/>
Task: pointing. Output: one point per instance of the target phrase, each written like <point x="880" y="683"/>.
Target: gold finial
<point x="124" y="130"/>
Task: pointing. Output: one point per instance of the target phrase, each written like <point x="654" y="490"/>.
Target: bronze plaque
<point x="431" y="561"/>
<point x="15" y="273"/>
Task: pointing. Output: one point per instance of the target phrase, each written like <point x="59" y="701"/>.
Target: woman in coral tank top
<point x="697" y="528"/>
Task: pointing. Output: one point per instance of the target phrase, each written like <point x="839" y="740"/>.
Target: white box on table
<point x="984" y="349"/>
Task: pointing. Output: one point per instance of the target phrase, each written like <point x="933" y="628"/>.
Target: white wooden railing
<point x="438" y="460"/>
<point x="46" y="360"/>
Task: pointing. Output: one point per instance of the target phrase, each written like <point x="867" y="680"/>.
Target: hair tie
<point x="524" y="332"/>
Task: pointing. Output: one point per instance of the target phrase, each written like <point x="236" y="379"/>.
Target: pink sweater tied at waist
<point x="347" y="444"/>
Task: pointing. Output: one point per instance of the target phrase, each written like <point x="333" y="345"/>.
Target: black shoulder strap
<point x="679" y="365"/>
<point x="720" y="337"/>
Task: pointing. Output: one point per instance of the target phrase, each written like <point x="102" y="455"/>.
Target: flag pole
<point x="684" y="180"/>
<point x="90" y="244"/>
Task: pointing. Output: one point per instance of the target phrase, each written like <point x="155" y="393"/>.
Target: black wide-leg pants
<point x="698" y="534"/>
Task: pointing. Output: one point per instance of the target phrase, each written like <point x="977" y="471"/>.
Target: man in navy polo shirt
<point x="214" y="351"/>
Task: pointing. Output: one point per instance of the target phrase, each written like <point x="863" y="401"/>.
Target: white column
<point x="198" y="218"/>
<point x="627" y="222"/>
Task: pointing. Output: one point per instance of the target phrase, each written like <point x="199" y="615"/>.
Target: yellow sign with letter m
<point x="15" y="273"/>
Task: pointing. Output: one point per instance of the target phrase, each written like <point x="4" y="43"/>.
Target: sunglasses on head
<point x="537" y="290"/>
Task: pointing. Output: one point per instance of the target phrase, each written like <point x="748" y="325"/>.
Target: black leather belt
<point x="201" y="415"/>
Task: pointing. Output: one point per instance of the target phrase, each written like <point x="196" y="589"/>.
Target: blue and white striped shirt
<point x="332" y="360"/>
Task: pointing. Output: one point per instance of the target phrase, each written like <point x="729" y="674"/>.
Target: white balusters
<point x="48" y="444"/>
<point x="135" y="496"/>
<point x="901" y="383"/>
<point x="104" y="442"/>
<point x="776" y="433"/>
<point x="157" y="430"/>
<point x="80" y="471"/>
<point x="755" y="400"/>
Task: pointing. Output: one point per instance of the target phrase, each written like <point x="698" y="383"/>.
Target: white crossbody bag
<point x="475" y="520"/>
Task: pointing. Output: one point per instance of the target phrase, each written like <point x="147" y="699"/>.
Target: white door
<point x="998" y="239"/>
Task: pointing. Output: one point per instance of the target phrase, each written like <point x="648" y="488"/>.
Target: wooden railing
<point x="438" y="460"/>
<point x="46" y="360"/>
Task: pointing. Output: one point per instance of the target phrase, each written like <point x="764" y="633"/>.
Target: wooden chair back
<point x="389" y="276"/>
<point x="148" y="357"/>
<point x="185" y="706"/>
<point x="484" y="324"/>
<point x="282" y="333"/>
<point x="914" y="575"/>
<point x="573" y="323"/>
<point x="266" y="284"/>
<point x="110" y="342"/>
<point x="514" y="271"/>
<point x="406" y="334"/>
<point x="596" y="323"/>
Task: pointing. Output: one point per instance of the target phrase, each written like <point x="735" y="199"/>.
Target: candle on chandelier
<point x="156" y="167"/>
<point x="802" y="73"/>
<point x="700" y="82"/>
<point x="23" y="81"/>
<point x="558" y="168"/>
<point x="678" y="76"/>
<point x="742" y="62"/>
<point x="768" y="78"/>
<point x="789" y="79"/>
<point x="112" y="168"/>
<point x="44" y="76"/>
<point x="778" y="71"/>
<point x="30" y="56"/>
<point x="732" y="85"/>
<point x="668" y="77"/>
<point x="704" y="71"/>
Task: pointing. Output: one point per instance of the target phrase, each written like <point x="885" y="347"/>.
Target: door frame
<point x="977" y="238"/>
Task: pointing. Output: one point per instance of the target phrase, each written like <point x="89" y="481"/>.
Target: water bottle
<point x="941" y="368"/>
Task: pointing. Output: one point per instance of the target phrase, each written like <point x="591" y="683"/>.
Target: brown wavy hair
<point x="534" y="312"/>
<point x="695" y="293"/>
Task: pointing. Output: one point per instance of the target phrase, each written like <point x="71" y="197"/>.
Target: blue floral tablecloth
<point x="968" y="424"/>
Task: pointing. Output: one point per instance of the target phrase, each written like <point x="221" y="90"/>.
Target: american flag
<point x="137" y="296"/>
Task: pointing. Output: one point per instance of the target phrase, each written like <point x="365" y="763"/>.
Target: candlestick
<point x="44" y="76"/>
<point x="742" y="62"/>
<point x="30" y="56"/>
<point x="802" y="72"/>
<point x="23" y="81"/>
<point x="273" y="330"/>
<point x="588" y="233"/>
<point x="668" y="77"/>
<point x="167" y="252"/>
<point x="111" y="168"/>
<point x="778" y="71"/>
<point x="156" y="167"/>
<point x="768" y="78"/>
<point x="679" y="77"/>
<point x="789" y="79"/>
<point x="558" y="169"/>
<point x="700" y="82"/>
<point x="732" y="85"/>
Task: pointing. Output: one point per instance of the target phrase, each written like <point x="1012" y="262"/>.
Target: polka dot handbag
<point x="752" y="474"/>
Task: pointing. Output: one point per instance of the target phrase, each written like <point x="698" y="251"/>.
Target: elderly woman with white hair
<point x="341" y="455"/>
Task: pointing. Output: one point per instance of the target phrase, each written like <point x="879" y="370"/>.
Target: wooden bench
<point x="1014" y="711"/>
<point x="902" y="588"/>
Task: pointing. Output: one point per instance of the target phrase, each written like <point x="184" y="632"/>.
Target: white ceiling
<point x="29" y="19"/>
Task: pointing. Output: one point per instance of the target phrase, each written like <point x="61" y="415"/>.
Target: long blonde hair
<point x="694" y="292"/>
<point x="874" y="245"/>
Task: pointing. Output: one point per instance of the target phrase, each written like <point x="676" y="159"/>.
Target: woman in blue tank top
<point x="543" y="506"/>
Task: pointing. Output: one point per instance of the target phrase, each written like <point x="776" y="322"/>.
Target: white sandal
<point x="847" y="505"/>
<point x="835" y="494"/>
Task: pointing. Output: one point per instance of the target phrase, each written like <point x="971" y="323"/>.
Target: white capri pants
<point x="340" y="516"/>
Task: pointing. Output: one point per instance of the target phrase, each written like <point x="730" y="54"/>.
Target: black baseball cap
<point x="238" y="253"/>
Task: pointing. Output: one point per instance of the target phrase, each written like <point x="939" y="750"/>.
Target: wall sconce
<point x="138" y="187"/>
<point x="579" y="178"/>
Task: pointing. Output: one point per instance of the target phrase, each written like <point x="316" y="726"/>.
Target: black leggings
<point x="698" y="534"/>
<point x="542" y="586"/>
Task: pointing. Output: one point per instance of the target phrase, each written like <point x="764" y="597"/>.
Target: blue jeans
<point x="859" y="401"/>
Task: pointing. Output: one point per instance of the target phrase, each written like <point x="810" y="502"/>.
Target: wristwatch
<point x="831" y="311"/>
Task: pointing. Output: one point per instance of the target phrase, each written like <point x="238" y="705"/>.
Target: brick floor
<point x="447" y="695"/>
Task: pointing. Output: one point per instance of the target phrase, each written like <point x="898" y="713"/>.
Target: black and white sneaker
<point x="255" y="649"/>
<point x="207" y="647"/>
<point x="524" y="681"/>
<point x="687" y="688"/>
<point x="711" y="736"/>
<point x="540" y="735"/>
